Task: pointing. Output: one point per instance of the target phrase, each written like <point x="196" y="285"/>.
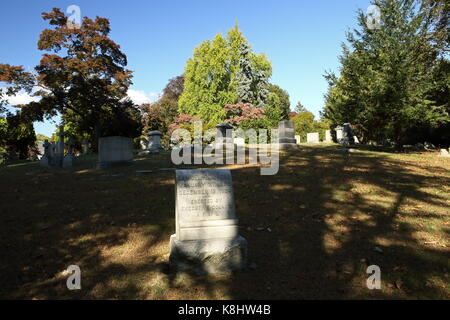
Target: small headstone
<point x="297" y="139"/>
<point x="339" y="134"/>
<point x="286" y="135"/>
<point x="40" y="149"/>
<point x="114" y="151"/>
<point x="328" y="138"/>
<point x="68" y="159"/>
<point x="444" y="153"/>
<point x="239" y="142"/>
<point x="207" y="235"/>
<point x="312" y="137"/>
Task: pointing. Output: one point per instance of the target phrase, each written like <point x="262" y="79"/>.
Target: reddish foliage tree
<point x="239" y="112"/>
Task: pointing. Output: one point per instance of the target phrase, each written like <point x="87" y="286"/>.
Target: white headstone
<point x="297" y="139"/>
<point x="312" y="137"/>
<point x="239" y="142"/>
<point x="328" y="138"/>
<point x="444" y="153"/>
<point x="339" y="134"/>
<point x="206" y="224"/>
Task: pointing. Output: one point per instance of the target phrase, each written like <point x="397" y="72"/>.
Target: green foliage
<point x="160" y="114"/>
<point x="387" y="83"/>
<point x="17" y="137"/>
<point x="299" y="107"/>
<point x="214" y="74"/>
<point x="305" y="123"/>
<point x="41" y="137"/>
<point x="278" y="105"/>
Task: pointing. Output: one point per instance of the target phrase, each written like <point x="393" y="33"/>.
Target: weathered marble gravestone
<point x="207" y="236"/>
<point x="46" y="158"/>
<point x="58" y="157"/>
<point x="40" y="149"/>
<point x="114" y="151"/>
<point x="328" y="137"/>
<point x="297" y="139"/>
<point x="339" y="134"/>
<point x="54" y="152"/>
<point x="286" y="135"/>
<point x="312" y="137"/>
<point x="444" y="153"/>
<point x="239" y="142"/>
<point x="68" y="159"/>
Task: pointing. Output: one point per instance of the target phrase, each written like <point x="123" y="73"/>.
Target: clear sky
<point x="301" y="38"/>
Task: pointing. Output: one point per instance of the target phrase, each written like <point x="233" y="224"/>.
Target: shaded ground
<point x="325" y="217"/>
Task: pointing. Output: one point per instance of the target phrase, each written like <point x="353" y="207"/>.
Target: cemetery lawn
<point x="312" y="229"/>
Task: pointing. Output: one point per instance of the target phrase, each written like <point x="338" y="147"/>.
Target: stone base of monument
<point x="286" y="146"/>
<point x="211" y="256"/>
<point x="287" y="143"/>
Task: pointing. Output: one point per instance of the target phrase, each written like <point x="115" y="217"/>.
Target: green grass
<point x="327" y="211"/>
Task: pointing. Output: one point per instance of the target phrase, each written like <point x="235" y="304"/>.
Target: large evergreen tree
<point x="387" y="75"/>
<point x="214" y="77"/>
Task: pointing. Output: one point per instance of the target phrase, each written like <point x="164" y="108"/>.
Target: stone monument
<point x="444" y="153"/>
<point x="347" y="138"/>
<point x="297" y="139"/>
<point x="68" y="159"/>
<point x="114" y="151"/>
<point x="286" y="135"/>
<point x="328" y="138"/>
<point x="312" y="137"/>
<point x="339" y="134"/>
<point x="207" y="235"/>
<point x="240" y="142"/>
<point x="45" y="160"/>
<point x="154" y="143"/>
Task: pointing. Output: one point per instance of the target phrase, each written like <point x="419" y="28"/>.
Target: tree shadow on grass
<point x="312" y="230"/>
<point x="324" y="235"/>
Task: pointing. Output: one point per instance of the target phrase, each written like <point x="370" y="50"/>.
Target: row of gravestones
<point x="119" y="150"/>
<point x="53" y="153"/>
<point x="344" y="136"/>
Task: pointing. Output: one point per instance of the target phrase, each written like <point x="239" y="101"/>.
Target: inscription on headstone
<point x="204" y="205"/>
<point x="207" y="237"/>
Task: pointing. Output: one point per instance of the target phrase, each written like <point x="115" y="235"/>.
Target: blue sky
<point x="301" y="38"/>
